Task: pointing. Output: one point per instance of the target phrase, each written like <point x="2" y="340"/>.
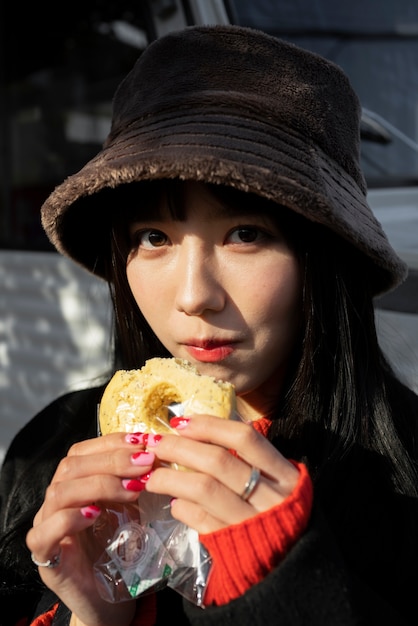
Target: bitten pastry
<point x="138" y="400"/>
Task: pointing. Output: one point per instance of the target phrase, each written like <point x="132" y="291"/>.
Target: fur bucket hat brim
<point x="232" y="106"/>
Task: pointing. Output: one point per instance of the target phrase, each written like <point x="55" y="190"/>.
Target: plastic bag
<point x="145" y="549"/>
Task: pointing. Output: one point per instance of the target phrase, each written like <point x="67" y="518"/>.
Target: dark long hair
<point x="341" y="393"/>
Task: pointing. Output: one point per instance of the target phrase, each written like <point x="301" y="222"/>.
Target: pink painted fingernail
<point x="136" y="484"/>
<point x="153" y="440"/>
<point x="143" y="458"/>
<point x="135" y="438"/>
<point x="133" y="485"/>
<point x="90" y="512"/>
<point x="179" y="422"/>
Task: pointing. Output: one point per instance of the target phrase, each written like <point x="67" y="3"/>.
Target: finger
<point x="196" y="517"/>
<point x="208" y="460"/>
<point x="104" y="443"/>
<point x="249" y="445"/>
<point x="214" y="505"/>
<point x="116" y="462"/>
<point x="45" y="540"/>
<point x="94" y="489"/>
<point x="228" y="469"/>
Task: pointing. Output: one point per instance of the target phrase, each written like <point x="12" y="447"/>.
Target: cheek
<point x="134" y="281"/>
<point x="153" y="296"/>
<point x="279" y="295"/>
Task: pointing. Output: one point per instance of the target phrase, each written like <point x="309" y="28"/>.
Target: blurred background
<point x="59" y="67"/>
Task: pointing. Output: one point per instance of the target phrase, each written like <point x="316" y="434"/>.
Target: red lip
<point x="209" y="351"/>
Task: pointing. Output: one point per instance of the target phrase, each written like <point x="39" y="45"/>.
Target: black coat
<point x="363" y="572"/>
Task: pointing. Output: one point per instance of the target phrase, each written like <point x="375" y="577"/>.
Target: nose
<point x="198" y="285"/>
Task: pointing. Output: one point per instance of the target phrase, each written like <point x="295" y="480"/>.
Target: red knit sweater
<point x="242" y="554"/>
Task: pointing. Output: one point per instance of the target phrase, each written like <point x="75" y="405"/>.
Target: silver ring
<point x="50" y="563"/>
<point x="251" y="484"/>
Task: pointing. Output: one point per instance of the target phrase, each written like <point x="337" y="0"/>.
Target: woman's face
<point x="220" y="289"/>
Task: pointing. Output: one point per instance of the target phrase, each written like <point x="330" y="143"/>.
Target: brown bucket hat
<point x="235" y="106"/>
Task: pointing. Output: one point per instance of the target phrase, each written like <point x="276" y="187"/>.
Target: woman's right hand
<point x="94" y="474"/>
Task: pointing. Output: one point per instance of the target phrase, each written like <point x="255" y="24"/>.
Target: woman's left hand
<point x="210" y="495"/>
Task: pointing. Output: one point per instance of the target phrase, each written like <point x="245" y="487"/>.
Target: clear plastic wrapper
<point x="145" y="549"/>
<point x="134" y="558"/>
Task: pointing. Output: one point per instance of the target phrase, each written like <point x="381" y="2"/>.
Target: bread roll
<point x="138" y="400"/>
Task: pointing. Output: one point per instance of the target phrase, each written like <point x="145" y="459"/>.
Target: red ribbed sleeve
<point x="243" y="554"/>
<point x="46" y="618"/>
<point x="145" y="615"/>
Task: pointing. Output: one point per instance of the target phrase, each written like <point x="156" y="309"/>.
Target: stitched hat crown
<point x="258" y="75"/>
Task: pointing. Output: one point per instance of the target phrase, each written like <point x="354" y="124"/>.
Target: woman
<point x="228" y="213"/>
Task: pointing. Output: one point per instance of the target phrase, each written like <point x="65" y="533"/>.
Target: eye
<point x="246" y="234"/>
<point x="149" y="238"/>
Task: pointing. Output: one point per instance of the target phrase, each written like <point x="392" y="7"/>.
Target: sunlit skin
<point x="222" y="291"/>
